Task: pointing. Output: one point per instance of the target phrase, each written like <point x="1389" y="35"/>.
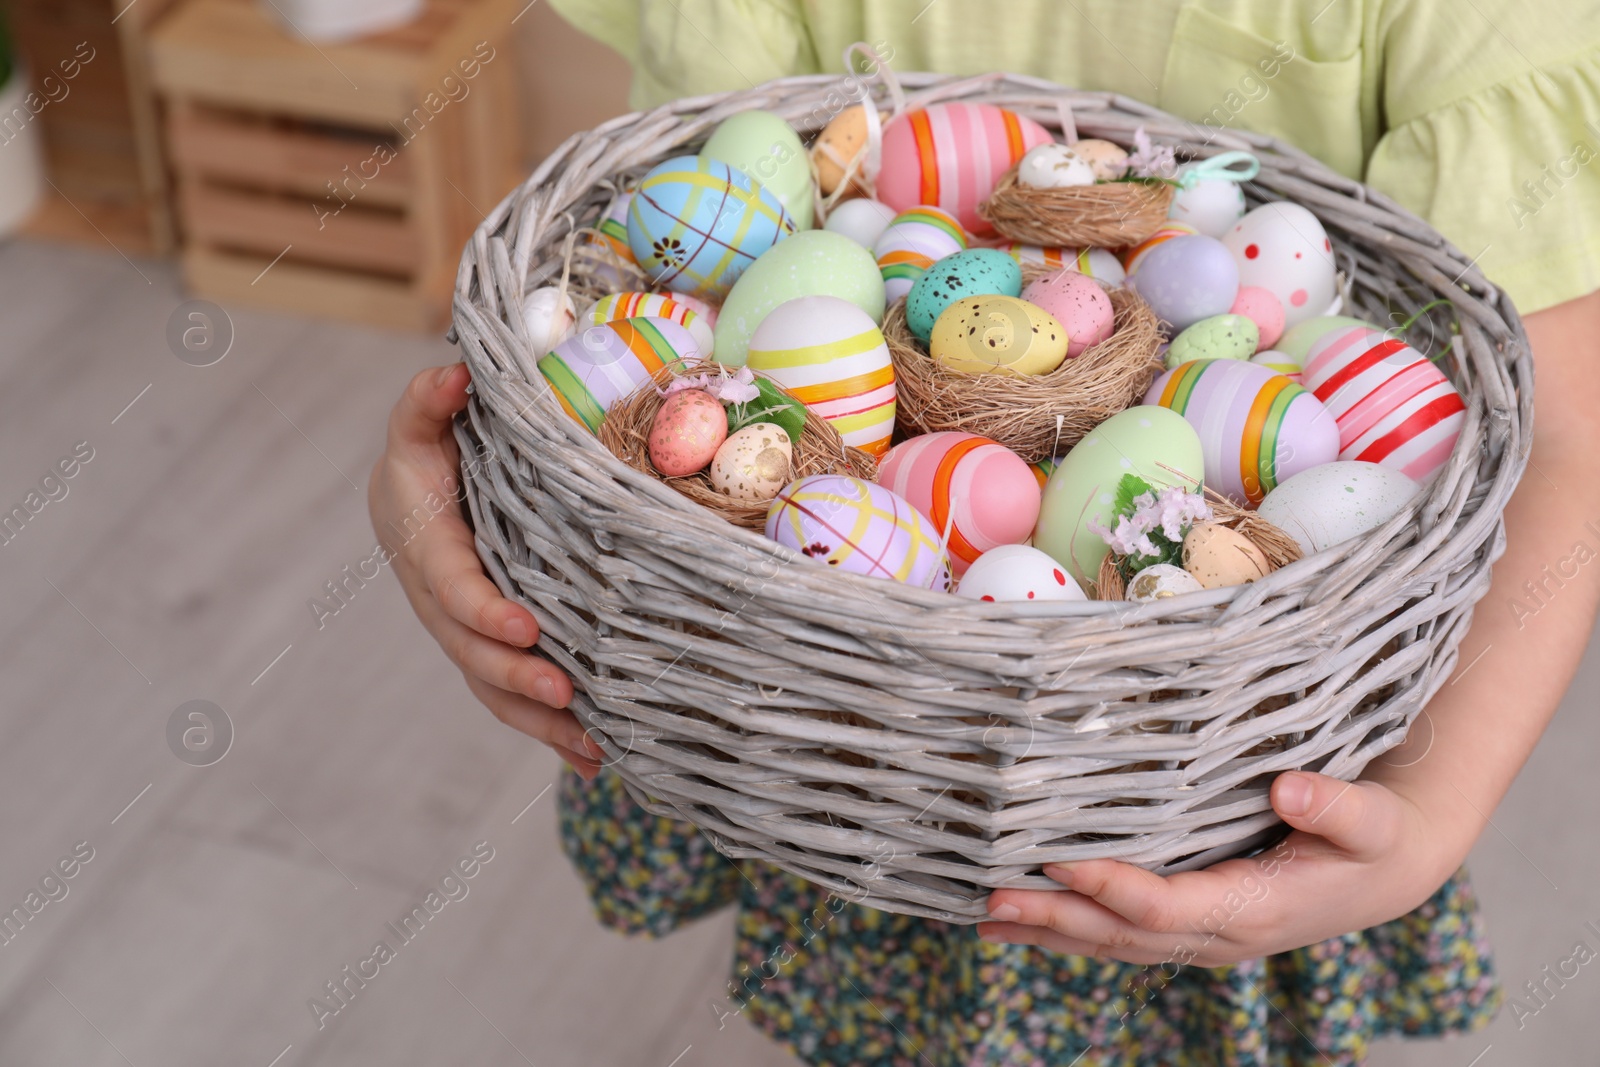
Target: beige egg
<point x="1108" y="160"/>
<point x="837" y="144"/>
<point x="754" y="463"/>
<point x="1217" y="556"/>
<point x="1161" y="581"/>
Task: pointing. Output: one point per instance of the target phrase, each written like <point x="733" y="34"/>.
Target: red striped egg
<point x="1393" y="406"/>
<point x="979" y="490"/>
<point x="951" y="156"/>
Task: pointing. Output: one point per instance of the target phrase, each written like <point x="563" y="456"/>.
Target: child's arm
<point x="1366" y="853"/>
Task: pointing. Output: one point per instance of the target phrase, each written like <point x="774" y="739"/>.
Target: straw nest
<point x="1104" y="215"/>
<point x="626" y="433"/>
<point x="1021" y="412"/>
<point x="1279" y="548"/>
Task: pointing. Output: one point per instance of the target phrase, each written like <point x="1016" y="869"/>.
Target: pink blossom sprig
<point x="1150" y="525"/>
<point x="739" y="388"/>
<point x="1151" y="160"/>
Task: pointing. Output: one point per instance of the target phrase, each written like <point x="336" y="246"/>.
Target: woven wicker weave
<point x="911" y="749"/>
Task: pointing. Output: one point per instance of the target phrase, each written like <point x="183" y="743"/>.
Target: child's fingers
<point x="454" y="574"/>
<point x="497" y="663"/>
<point x="1020" y="934"/>
<point x="1363" y="818"/>
<point x="426" y="407"/>
<point x="556" y="728"/>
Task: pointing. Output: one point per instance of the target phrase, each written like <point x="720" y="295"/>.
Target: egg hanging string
<point x="1237" y="167"/>
<point x="868" y="159"/>
<point x="1069" y="125"/>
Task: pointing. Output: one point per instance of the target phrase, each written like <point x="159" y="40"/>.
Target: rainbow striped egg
<point x="951" y="156"/>
<point x="913" y="242"/>
<point x="978" y="492"/>
<point x="1101" y="264"/>
<point x="860" y="527"/>
<point x="596" y="367"/>
<point x="1256" y="428"/>
<point x="695" y="224"/>
<point x="831" y="357"/>
<point x="650" y="305"/>
<point x="1393" y="406"/>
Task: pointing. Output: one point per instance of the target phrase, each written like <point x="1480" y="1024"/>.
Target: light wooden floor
<point x="178" y="567"/>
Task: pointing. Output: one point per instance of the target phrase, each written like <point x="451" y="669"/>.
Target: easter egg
<point x="1154" y="443"/>
<point x="837" y="144"/>
<point x="914" y="241"/>
<point x="1283" y="248"/>
<point x="1211" y="205"/>
<point x="609" y="239"/>
<point x="998" y="335"/>
<point x="862" y="220"/>
<point x="811" y="263"/>
<point x="1110" y="161"/>
<point x="704" y="308"/>
<point x="1098" y="263"/>
<point x="970" y="272"/>
<point x="1219" y="337"/>
<point x="1297" y="340"/>
<point x="1186" y="279"/>
<point x="597" y="366"/>
<point x="1017" y="572"/>
<point x="686" y="433"/>
<point x="1160" y="581"/>
<point x="978" y="490"/>
<point x="951" y="155"/>
<point x="767" y="149"/>
<point x="1219" y="556"/>
<point x="651" y="305"/>
<point x="832" y="358"/>
<point x="1393" y="406"/>
<point x="856" y="526"/>
<point x="550" y="317"/>
<point x="695" y="224"/>
<point x="1079" y="303"/>
<point x="1278" y="363"/>
<point x="1132" y="256"/>
<point x="1330" y="504"/>
<point x="1053" y="166"/>
<point x="1043" y="469"/>
<point x="1262" y="308"/>
<point x="1256" y="428"/>
<point x="753" y="463"/>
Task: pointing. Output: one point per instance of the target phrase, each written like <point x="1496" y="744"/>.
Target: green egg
<point x="1219" y="337"/>
<point x="767" y="149"/>
<point x="809" y="263"/>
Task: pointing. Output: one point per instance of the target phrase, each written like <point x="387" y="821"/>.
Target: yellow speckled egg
<point x="754" y="463"/>
<point x="997" y="334"/>
<point x="836" y="146"/>
<point x="1217" y="556"/>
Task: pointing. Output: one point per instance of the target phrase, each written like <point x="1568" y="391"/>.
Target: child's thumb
<point x="1362" y="818"/>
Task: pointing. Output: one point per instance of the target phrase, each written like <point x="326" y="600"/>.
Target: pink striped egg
<point x="1393" y="406"/>
<point x="860" y="527"/>
<point x="979" y="490"/>
<point x="951" y="155"/>
<point x="1256" y="428"/>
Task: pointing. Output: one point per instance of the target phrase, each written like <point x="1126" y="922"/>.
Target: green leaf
<point x="1129" y="489"/>
<point x="773" y="405"/>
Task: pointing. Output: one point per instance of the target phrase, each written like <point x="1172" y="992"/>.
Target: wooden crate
<point x="342" y="179"/>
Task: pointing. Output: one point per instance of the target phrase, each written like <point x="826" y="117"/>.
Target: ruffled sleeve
<point x="689" y="47"/>
<point x="1510" y="173"/>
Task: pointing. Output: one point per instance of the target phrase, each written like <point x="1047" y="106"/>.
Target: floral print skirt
<point x="843" y="984"/>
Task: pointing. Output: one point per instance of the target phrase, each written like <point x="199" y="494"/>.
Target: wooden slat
<point x="309" y="290"/>
<point x="221" y="217"/>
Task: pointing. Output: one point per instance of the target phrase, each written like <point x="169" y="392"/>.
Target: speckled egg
<point x="950" y="155"/>
<point x="1283" y="248"/>
<point x="811" y="263"/>
<point x="979" y="490"/>
<point x="1017" y="573"/>
<point x="766" y="148"/>
<point x="1330" y="504"/>
<point x="998" y="335"/>
<point x="1079" y="303"/>
<point x="1110" y="161"/>
<point x="688" y="429"/>
<point x="1256" y="428"/>
<point x="1219" y="337"/>
<point x="550" y="317"/>
<point x="1132" y="256"/>
<point x="696" y="224"/>
<point x="753" y="463"/>
<point x="862" y="220"/>
<point x="1053" y="166"/>
<point x="673" y="308"/>
<point x="1219" y="556"/>
<point x="1187" y="279"/>
<point x="970" y="272"/>
<point x="1278" y="363"/>
<point x="915" y="241"/>
<point x="858" y="526"/>
<point x="837" y="144"/>
<point x="1262" y="308"/>
<point x="1161" y="581"/>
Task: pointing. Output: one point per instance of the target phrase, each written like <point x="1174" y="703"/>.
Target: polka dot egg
<point x="1017" y="573"/>
<point x="1283" y="248"/>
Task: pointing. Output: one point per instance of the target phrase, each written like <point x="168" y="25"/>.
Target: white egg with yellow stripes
<point x="831" y="356"/>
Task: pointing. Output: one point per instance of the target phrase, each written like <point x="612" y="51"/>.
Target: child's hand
<point x="1360" y="854"/>
<point x="483" y="633"/>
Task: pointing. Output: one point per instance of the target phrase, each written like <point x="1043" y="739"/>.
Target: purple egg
<point x="858" y="526"/>
<point x="1257" y="429"/>
<point x="1187" y="279"/>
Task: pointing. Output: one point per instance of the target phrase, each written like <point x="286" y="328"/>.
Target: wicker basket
<point x="811" y="718"/>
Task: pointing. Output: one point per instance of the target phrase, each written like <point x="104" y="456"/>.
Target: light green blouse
<point x="1482" y="116"/>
